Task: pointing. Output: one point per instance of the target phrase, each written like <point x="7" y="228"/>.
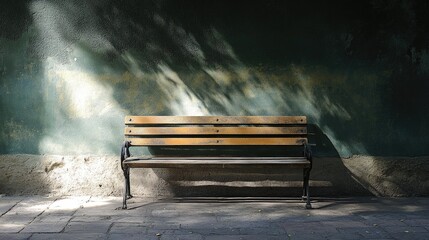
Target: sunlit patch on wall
<point x="84" y="117"/>
<point x="222" y="78"/>
<point x="181" y="99"/>
<point x="81" y="95"/>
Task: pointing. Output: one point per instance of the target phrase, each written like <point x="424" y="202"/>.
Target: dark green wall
<point x="71" y="70"/>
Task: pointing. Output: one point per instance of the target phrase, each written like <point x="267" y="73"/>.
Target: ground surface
<point x="209" y="219"/>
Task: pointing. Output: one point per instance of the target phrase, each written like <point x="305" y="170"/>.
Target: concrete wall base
<point x="101" y="175"/>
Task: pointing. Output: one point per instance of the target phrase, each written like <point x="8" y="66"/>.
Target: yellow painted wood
<point x="216" y="141"/>
<point x="160" y="120"/>
<point x="202" y="130"/>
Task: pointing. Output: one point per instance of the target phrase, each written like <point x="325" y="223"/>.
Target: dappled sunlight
<point x="34" y="208"/>
<point x="181" y="99"/>
<point x="82" y="114"/>
<point x="238" y="94"/>
<point x="31" y="207"/>
<point x="335" y="110"/>
<point x="81" y="95"/>
<point x="256" y="93"/>
<point x="254" y="60"/>
<point x="170" y="69"/>
<point x="245" y="91"/>
<point x="67" y="204"/>
<point x="12" y="226"/>
<point x="218" y="43"/>
<point x="133" y="65"/>
<point x="96" y="203"/>
<point x="220" y="77"/>
<point x="79" y="99"/>
<point x="186" y="42"/>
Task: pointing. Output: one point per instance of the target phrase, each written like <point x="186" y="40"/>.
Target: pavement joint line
<point x="110" y="227"/>
<point x="73" y="215"/>
<point x="37" y="216"/>
<point x="12" y="207"/>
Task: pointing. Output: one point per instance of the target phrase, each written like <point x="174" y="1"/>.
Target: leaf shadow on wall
<point x="139" y="58"/>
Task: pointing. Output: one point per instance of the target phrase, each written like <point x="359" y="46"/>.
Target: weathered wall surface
<point x="70" y="71"/>
<point x="101" y="175"/>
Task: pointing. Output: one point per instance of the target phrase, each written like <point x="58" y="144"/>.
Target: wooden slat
<point x="215" y="141"/>
<point x="160" y="120"/>
<point x="182" y="162"/>
<point x="145" y="131"/>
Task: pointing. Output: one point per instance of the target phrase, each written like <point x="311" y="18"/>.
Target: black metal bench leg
<point x="307" y="188"/>
<point x="128" y="185"/>
<point x="304" y="185"/>
<point x="124" y="201"/>
<point x="127" y="188"/>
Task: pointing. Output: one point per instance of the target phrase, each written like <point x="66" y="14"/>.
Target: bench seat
<point x="214" y="162"/>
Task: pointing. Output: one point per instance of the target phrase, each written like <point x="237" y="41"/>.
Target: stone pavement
<point x="213" y="218"/>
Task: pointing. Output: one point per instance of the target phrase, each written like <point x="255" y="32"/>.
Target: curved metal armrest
<point x="125" y="152"/>
<point x="307" y="152"/>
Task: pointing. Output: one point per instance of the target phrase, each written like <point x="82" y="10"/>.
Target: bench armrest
<point x="125" y="152"/>
<point x="307" y="151"/>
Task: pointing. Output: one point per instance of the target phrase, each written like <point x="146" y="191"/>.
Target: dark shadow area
<point x="22" y="109"/>
<point x="21" y="92"/>
<point x="328" y="166"/>
<point x="321" y="202"/>
<point x="22" y="175"/>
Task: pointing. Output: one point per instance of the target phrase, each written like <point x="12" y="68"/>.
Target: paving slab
<point x="244" y="237"/>
<point x="366" y="232"/>
<point x="10" y="227"/>
<point x="68" y="236"/>
<point x="99" y="218"/>
<point x="66" y="206"/>
<point x="417" y="222"/>
<point x="6" y="204"/>
<point x="407" y="229"/>
<point x="44" y="227"/>
<point x="182" y="237"/>
<point x="131" y="236"/>
<point x="133" y="228"/>
<point x="84" y="227"/>
<point x="13" y="236"/>
<point x="309" y="227"/>
<point x="411" y="236"/>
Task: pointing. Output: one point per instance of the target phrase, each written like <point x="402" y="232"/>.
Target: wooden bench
<point x="217" y="141"/>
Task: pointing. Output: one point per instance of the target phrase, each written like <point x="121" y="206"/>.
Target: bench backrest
<point x="216" y="130"/>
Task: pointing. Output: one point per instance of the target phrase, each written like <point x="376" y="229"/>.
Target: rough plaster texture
<point x="391" y="176"/>
<point x="101" y="175"/>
